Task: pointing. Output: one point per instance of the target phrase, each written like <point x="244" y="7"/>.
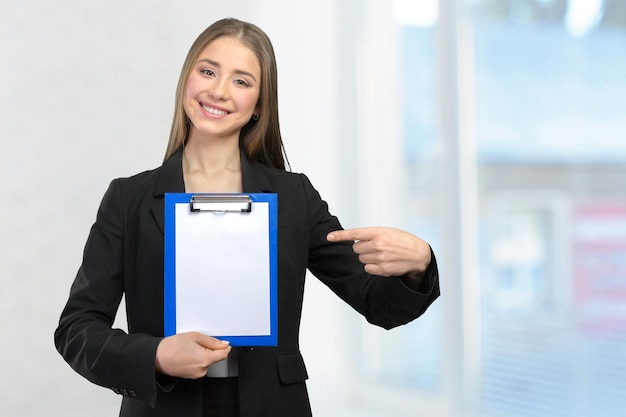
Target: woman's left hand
<point x="387" y="251"/>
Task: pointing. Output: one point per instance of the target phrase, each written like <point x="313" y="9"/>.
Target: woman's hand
<point x="188" y="355"/>
<point x="388" y="252"/>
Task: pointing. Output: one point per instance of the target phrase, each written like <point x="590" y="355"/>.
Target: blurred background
<point x="494" y="129"/>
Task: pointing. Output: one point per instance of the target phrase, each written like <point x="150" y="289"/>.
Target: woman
<point x="225" y="137"/>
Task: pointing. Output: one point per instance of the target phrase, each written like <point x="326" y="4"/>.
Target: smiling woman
<point x="217" y="144"/>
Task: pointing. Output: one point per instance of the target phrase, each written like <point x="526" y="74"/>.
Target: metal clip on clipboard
<point x="221" y="203"/>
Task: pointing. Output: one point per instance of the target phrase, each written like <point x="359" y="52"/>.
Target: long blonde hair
<point x="260" y="139"/>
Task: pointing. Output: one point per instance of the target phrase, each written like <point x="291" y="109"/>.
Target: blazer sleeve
<point x="384" y="301"/>
<point x="85" y="337"/>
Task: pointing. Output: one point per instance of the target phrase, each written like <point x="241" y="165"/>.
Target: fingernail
<point x="330" y="237"/>
<point x="225" y="342"/>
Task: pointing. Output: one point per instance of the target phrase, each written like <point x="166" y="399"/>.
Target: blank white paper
<point x="222" y="272"/>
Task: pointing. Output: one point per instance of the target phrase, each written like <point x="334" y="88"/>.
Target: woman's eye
<point x="208" y="72"/>
<point x="242" y="83"/>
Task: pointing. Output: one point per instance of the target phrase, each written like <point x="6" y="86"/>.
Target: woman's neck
<point x="212" y="166"/>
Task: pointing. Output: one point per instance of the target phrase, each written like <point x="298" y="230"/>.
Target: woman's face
<point x="222" y="89"/>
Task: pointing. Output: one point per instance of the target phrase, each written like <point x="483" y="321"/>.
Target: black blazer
<point x="124" y="256"/>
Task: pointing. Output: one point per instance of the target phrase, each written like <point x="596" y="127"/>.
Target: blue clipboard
<point x="221" y="266"/>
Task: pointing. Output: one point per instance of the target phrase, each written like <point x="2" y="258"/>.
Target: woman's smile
<point x="215" y="111"/>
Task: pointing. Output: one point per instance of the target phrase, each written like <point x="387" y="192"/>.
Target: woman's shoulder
<point x="281" y="178"/>
<point x="151" y="182"/>
<point x="143" y="178"/>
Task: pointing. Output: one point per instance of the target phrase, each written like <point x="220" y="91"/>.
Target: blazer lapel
<point x="254" y="177"/>
<point x="169" y="180"/>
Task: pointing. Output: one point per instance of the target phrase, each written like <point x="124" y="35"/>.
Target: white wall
<point x="87" y="95"/>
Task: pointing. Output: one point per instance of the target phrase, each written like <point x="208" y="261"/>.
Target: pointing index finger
<point x="350" y="235"/>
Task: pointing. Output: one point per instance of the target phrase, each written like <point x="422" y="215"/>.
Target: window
<point x="550" y="77"/>
<point x="512" y="163"/>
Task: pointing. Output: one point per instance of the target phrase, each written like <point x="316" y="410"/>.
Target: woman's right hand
<point x="188" y="355"/>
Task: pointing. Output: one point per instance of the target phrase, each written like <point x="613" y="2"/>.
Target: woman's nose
<point x="219" y="90"/>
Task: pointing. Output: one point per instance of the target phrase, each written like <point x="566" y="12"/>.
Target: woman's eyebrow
<point x="237" y="71"/>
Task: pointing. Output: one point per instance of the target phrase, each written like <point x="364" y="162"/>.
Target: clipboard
<point x="221" y="266"/>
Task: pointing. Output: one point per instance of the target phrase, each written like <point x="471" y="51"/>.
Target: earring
<point x="255" y="117"/>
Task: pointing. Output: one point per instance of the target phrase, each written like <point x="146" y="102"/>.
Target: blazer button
<point x="248" y="349"/>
